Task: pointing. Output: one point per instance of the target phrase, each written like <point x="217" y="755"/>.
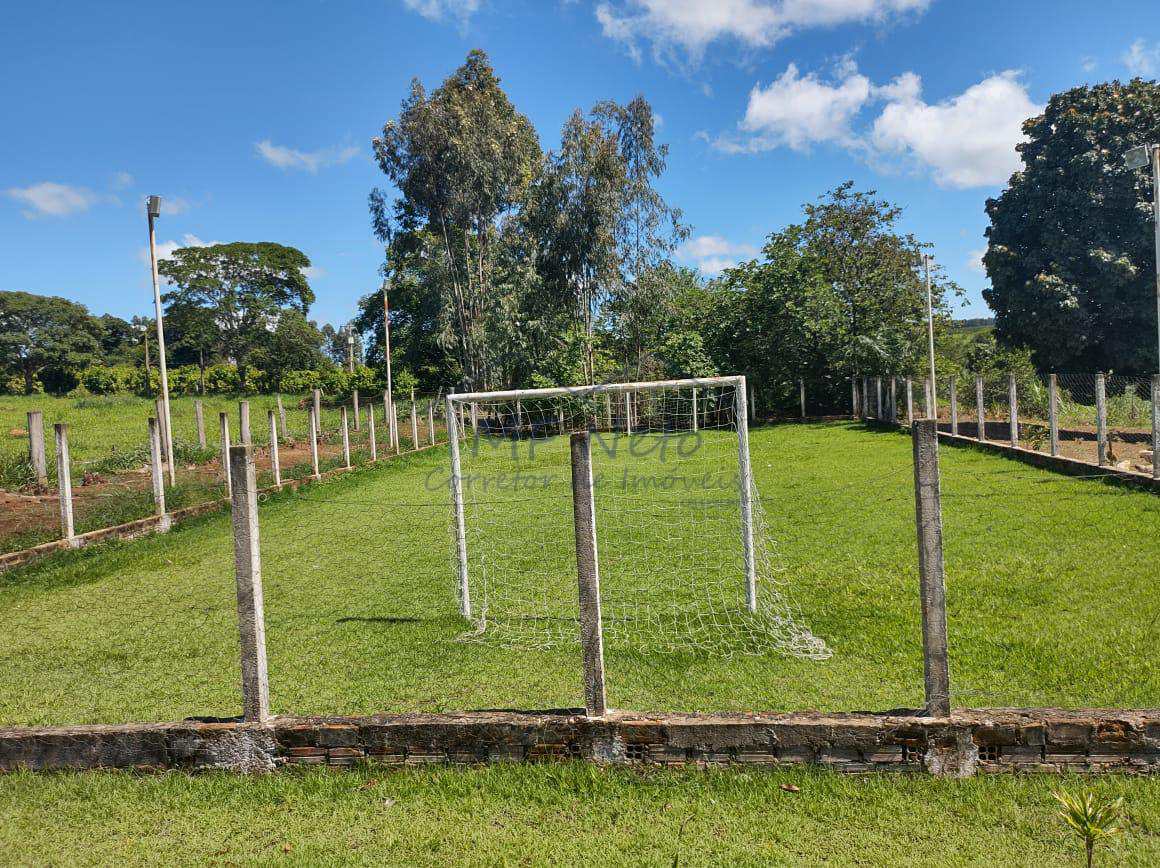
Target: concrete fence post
<point x="753" y="402"/>
<point x="199" y="421"/>
<point x="64" y="483"/>
<point x="1101" y="420"/>
<point x="909" y="402"/>
<point x="275" y="459"/>
<point x="282" y="418"/>
<point x="371" y="431"/>
<point x="244" y="423"/>
<point x="928" y="394"/>
<point x="166" y="446"/>
<point x="345" y="438"/>
<point x="932" y="582"/>
<point x="865" y="398"/>
<point x="224" y="425"/>
<point x="475" y="418"/>
<point x="588" y="575"/>
<point x="695" y="410"/>
<point x="314" y="443"/>
<point x="248" y="573"/>
<point x="430" y="422"/>
<point x="354" y="405"/>
<point x="1053" y="412"/>
<point x="802" y="396"/>
<point x="414" y="423"/>
<point x="157" y="475"/>
<point x="627" y="413"/>
<point x="36" y="448"/>
<point x="1013" y="407"/>
<point x="954" y="407"/>
<point x="980" y="410"/>
<point x="854" y="397"/>
<point x="878" y="398"/>
<point x="1156" y="426"/>
<point x="893" y="400"/>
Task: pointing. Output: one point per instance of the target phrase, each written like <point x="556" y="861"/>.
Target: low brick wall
<point x="967" y="742"/>
<point x="1059" y="463"/>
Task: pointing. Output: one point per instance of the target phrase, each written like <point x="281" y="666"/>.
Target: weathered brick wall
<point x="967" y="742"/>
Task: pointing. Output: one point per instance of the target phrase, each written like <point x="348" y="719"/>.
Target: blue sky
<point x="254" y="119"/>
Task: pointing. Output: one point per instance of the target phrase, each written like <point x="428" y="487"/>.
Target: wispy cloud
<point x="1142" y="60"/>
<point x="682" y="30"/>
<point x="308" y="161"/>
<point x="443" y="10"/>
<point x="712" y="254"/>
<point x="50" y="199"/>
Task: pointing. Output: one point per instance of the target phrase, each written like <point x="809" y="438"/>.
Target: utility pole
<point x="387" y="354"/>
<point x="350" y="348"/>
<point x="152" y="212"/>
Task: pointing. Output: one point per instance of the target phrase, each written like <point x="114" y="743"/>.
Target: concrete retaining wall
<point x="967" y="742"/>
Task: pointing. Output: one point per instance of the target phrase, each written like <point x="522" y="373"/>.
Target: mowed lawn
<point x="1051" y="585"/>
<point x="566" y="814"/>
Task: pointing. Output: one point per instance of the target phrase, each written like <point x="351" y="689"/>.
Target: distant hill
<point x="972" y="324"/>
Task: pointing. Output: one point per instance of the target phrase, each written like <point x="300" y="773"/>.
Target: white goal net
<point x="683" y="556"/>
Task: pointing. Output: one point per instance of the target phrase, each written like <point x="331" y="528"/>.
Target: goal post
<point x="677" y="512"/>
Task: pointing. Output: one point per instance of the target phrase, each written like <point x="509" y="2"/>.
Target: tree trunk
<point x="29" y="375"/>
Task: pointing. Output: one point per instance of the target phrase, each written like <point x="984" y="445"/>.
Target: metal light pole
<point x="153" y="211"/>
<point x="350" y="349"/>
<point x="930" y="336"/>
<point x="387" y="353"/>
<point x="1138" y="158"/>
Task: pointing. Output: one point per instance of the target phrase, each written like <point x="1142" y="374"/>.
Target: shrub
<point x="301" y="381"/>
<point x="221" y="380"/>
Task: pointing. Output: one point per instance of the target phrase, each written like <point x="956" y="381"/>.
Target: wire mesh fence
<point x="111" y="482"/>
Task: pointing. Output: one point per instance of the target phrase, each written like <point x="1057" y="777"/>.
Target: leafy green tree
<point x="1071" y="254"/>
<point x="833" y="296"/>
<point x="118" y="340"/>
<point x="461" y="157"/>
<point x="41" y="333"/>
<point x="245" y="286"/>
<point x="191" y="337"/>
<point x="295" y="344"/>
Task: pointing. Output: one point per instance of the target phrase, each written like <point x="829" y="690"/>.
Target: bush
<point x="221" y="380"/>
<point x="58" y="381"/>
<point x="299" y="382"/>
<point x="100" y="380"/>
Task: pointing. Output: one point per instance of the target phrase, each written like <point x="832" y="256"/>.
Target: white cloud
<point x="966" y="141"/>
<point x="688" y="27"/>
<point x="49" y="199"/>
<point x="441" y="10"/>
<point x="1088" y="63"/>
<point x="713" y="254"/>
<point x="314" y="272"/>
<point x="122" y="180"/>
<point x="310" y="161"/>
<point x="165" y="248"/>
<point x="797" y="111"/>
<point x="1142" y="60"/>
<point x="171" y="205"/>
<point x="975" y="261"/>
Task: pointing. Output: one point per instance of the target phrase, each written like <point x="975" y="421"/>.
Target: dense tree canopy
<point x="1071" y="255"/>
<point x="246" y="287"/>
<point x="835" y="295"/>
<point x="40" y="333"/>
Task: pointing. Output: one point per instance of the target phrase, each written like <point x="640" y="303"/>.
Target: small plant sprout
<point x="1090" y="818"/>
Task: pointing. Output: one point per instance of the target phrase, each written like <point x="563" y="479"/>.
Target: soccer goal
<point x="683" y="555"/>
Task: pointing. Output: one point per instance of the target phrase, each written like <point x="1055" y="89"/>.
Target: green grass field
<point x="557" y="815"/>
<point x="1050" y="585"/>
<point x="1051" y="601"/>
